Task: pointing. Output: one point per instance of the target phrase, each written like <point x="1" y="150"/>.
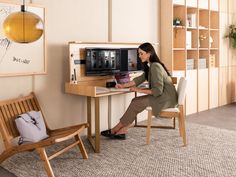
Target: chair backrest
<point x="9" y="110"/>
<point x="181" y="90"/>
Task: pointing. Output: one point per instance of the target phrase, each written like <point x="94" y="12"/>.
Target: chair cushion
<point x="149" y="108"/>
<point x="31" y="127"/>
<point x="170" y="110"/>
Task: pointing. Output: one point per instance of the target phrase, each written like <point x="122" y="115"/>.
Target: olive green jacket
<point x="164" y="94"/>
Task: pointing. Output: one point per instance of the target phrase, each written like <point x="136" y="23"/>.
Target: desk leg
<point x="135" y="121"/>
<point x="89" y="130"/>
<point x="95" y="141"/>
<point x="109" y="112"/>
<point x="97" y="125"/>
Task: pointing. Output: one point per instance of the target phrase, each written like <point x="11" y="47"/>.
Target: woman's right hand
<point x="120" y="86"/>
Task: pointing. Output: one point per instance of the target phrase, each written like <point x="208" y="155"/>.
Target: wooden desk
<point x="90" y="92"/>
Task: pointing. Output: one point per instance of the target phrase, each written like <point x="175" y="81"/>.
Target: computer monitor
<point x="102" y="61"/>
<point x="129" y="60"/>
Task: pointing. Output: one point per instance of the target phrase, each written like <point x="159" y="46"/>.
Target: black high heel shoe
<point x="107" y="133"/>
<point x="118" y="136"/>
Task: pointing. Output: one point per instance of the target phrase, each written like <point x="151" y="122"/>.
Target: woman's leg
<point x="137" y="105"/>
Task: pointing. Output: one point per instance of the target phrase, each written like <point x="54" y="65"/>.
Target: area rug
<point x="211" y="152"/>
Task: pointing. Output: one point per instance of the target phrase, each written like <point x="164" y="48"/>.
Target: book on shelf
<point x="188" y="39"/>
<point x="202" y="63"/>
<point x="190" y="63"/>
<point x="192" y="20"/>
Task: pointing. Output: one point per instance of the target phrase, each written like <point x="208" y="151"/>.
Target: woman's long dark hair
<point x="147" y="47"/>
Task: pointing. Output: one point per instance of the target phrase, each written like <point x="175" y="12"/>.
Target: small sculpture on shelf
<point x="201" y="38"/>
<point x="211" y="41"/>
<point x="177" y="22"/>
<point x="232" y="35"/>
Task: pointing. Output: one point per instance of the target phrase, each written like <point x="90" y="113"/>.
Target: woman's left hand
<point x="141" y="90"/>
<point x="134" y="89"/>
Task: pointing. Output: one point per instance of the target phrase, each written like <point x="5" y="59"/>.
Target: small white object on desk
<point x="102" y="90"/>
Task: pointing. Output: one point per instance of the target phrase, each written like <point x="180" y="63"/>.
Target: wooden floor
<point x="222" y="117"/>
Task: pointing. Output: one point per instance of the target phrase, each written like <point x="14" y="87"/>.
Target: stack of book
<point x="202" y="63"/>
<point x="190" y="63"/>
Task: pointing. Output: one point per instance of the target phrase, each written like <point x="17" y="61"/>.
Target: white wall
<point x="82" y="20"/>
<point x="134" y="20"/>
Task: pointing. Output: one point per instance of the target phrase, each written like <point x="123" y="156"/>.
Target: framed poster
<point x="21" y="59"/>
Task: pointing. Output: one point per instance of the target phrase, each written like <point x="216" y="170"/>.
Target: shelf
<point x="193" y="48"/>
<point x="179" y="12"/>
<point x="214" y="58"/>
<point x="191" y="17"/>
<point x="191" y="69"/>
<point x="191" y="28"/>
<point x="214" y="20"/>
<point x="191" y="4"/>
<point x="179" y="38"/>
<point x="216" y="11"/>
<point x="214" y="29"/>
<point x="203" y="9"/>
<point x="179" y="60"/>
<point x="191" y="7"/>
<point x="203" y="29"/>
<point x="215" y="39"/>
<point x="203" y="4"/>
<point x="178" y="5"/>
<point x="178" y="26"/>
<point x="178" y="48"/>
<point x="204" y="18"/>
<point x="191" y="62"/>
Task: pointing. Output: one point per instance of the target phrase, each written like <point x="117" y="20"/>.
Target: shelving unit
<point x="191" y="49"/>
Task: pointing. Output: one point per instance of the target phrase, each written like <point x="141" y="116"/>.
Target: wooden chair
<point x="172" y="112"/>
<point x="10" y="109"/>
<point x="174" y="81"/>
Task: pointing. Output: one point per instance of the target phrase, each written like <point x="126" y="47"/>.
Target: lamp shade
<point x="23" y="27"/>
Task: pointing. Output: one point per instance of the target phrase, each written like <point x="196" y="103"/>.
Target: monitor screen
<point x="102" y="61"/>
<point x="130" y="60"/>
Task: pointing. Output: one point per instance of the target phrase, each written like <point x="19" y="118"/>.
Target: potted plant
<point x="177" y="22"/>
<point x="232" y="35"/>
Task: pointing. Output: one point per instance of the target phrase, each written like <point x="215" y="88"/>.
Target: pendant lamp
<point x="23" y="26"/>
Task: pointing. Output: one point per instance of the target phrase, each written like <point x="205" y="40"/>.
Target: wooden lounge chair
<point x="10" y="109"/>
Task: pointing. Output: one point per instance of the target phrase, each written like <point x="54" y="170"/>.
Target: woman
<point x="160" y="95"/>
